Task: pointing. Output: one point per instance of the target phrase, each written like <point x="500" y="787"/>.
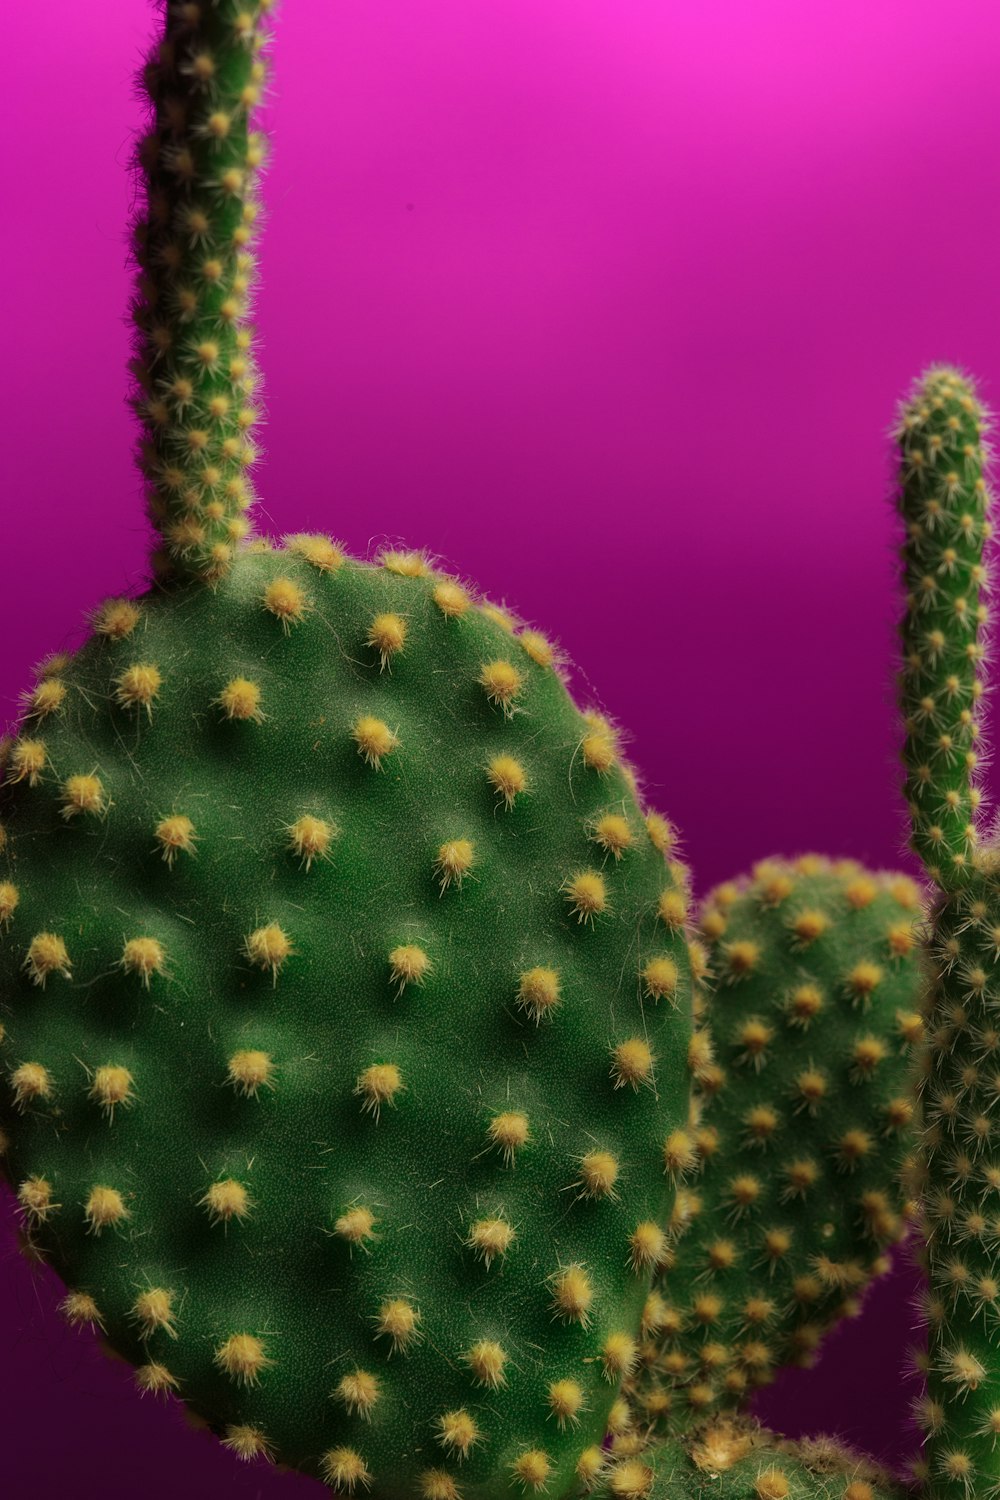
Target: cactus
<point x="801" y="1067"/>
<point x="343" y="975"/>
<point x="943" y="502"/>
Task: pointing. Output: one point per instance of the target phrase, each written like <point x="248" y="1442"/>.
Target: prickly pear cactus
<point x="809" y="1010"/>
<point x="344" y="991"/>
<point x="944" y="503"/>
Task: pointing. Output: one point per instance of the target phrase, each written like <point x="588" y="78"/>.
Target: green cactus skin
<point x="801" y="1069"/>
<point x="194" y="1009"/>
<point x="345" y="997"/>
<point x="943" y="501"/>
<point x="738" y="1460"/>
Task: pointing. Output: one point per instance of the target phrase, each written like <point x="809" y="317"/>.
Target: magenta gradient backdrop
<point x="609" y="305"/>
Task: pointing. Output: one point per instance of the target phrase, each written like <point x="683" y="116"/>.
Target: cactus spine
<point x="943" y="501"/>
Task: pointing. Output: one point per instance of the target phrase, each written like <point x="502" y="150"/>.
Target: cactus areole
<point x="344" y="992"/>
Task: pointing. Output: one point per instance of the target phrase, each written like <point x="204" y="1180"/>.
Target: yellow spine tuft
<point x="153" y="1311"/>
<point x="660" y="979"/>
<point x="436" y="1484"/>
<point x="154" y="1379"/>
<point x="29" y="1082"/>
<point x="268" y="948"/>
<point x="531" y="1469"/>
<point x="647" y="1245"/>
<point x="143" y="956"/>
<point x="47" y="698"/>
<point x="240" y="700"/>
<point x="586" y="895"/>
<point x="613" y="833"/>
<point x="398" y="1321"/>
<point x="359" y="1392"/>
<point x="34" y="1196"/>
<point x="46" y="956"/>
<point x="345" y="1469"/>
<point x="138" y="687"/>
<point x="631" y="1480"/>
<point x="599" y="1172"/>
<point x="509" y="1131"/>
<point x="309" y="838"/>
<point x="408" y="964"/>
<point x="566" y="1401"/>
<point x="111" y="1086"/>
<point x="538" y="992"/>
<point x="79" y="1308"/>
<point x="287" y="602"/>
<point x="619" y="1356"/>
<point x="490" y="1239"/>
<point x="454" y="860"/>
<point x="378" y="1085"/>
<point x="374" y="739"/>
<point x="320" y="552"/>
<point x="537" y="647"/>
<point x="458" y="1432"/>
<point x="771" y="1484"/>
<point x="572" y="1295"/>
<point x="247" y="1442"/>
<point x="405" y="564"/>
<point x="356" y="1225"/>
<point x="116" y="618"/>
<point x="452" y="600"/>
<point x="486" y="1359"/>
<point x="243" y="1358"/>
<point x="249" y="1070"/>
<point x="387" y="636"/>
<point x="507" y="777"/>
<point x="226" y="1200"/>
<point x="632" y="1063"/>
<point x="175" y="835"/>
<point x="82" y="794"/>
<point x="672" y="909"/>
<point x="10" y="897"/>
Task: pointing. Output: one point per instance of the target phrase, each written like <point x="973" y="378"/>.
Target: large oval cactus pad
<point x="345" y="1021"/>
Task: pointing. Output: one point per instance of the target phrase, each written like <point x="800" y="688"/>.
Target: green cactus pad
<point x="944" y="502"/>
<point x="961" y="1200"/>
<point x="943" y="505"/>
<point x="344" y="1027"/>
<point x="738" y="1460"/>
<point x="800" y="1069"/>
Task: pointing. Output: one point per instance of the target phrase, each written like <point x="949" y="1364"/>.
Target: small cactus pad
<point x="944" y="502"/>
<point x="347" y="1005"/>
<point x="808" y="1012"/>
<point x="738" y="1460"/>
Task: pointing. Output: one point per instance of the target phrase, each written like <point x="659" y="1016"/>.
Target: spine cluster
<point x="193" y="367"/>
<point x="800" y="1061"/>
<point x="386" y="975"/>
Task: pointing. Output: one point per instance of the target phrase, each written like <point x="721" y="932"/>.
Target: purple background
<point x="609" y="305"/>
